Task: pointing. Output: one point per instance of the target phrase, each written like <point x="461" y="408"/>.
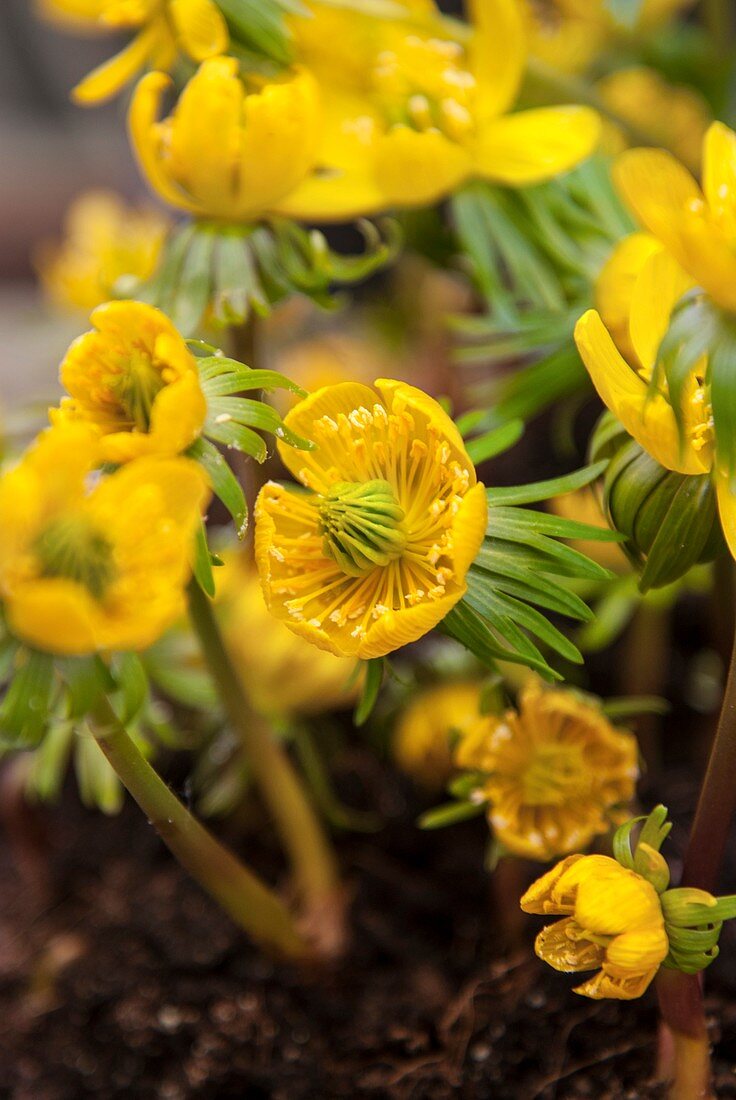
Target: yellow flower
<point x="164" y="29"/>
<point x="227" y="152"/>
<point x="283" y="674"/>
<point x="613" y="924"/>
<point x="375" y="553"/>
<point x="414" y="108"/>
<point x="422" y="745"/>
<point x="90" y="564"/>
<point x="104" y="240"/>
<point x="555" y="771"/>
<point x="133" y="380"/>
<point x="698" y="228"/>
<point x="615" y="288"/>
<point x="674" y="115"/>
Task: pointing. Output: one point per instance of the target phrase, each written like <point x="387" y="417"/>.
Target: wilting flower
<point x="227" y="151"/>
<point x="375" y="553"/>
<point x="133" y="380"/>
<point x="283" y="674"/>
<point x="104" y="240"/>
<point x="413" y="108"/>
<point x="673" y="115"/>
<point x="698" y="228"/>
<point x="613" y="924"/>
<point x="553" y="773"/>
<point x="422" y="745"/>
<point x="90" y="563"/>
<point x="163" y="30"/>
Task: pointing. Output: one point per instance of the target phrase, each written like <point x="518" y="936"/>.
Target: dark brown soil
<point x="124" y="980"/>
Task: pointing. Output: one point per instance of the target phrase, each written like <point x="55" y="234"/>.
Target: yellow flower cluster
<point x="375" y="552"/>
<point x="554" y="773"/>
<point x="422" y="745"/>
<point x="613" y="923"/>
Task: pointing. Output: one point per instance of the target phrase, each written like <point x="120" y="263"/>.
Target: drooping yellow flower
<point x="613" y="923"/>
<point x="164" y="29"/>
<point x="698" y="228"/>
<point x="104" y="240"/>
<point x="375" y="553"/>
<point x="227" y="151"/>
<point x="283" y="674"/>
<point x="89" y="564"/>
<point x="674" y="115"/>
<point x="413" y="108"/>
<point x="422" y="744"/>
<point x="555" y="771"/>
<point x="133" y="380"/>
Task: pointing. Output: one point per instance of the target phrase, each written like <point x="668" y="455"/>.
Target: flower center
<point x="72" y="548"/>
<point x="136" y="388"/>
<point x="362" y="525"/>
<point x="555" y="774"/>
<point x="424" y="85"/>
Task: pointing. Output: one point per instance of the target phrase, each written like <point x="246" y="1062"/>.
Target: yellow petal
<point x="398" y="628"/>
<point x="469" y="529"/>
<point x="660" y="284"/>
<point x="55" y="615"/>
<point x="658" y="189"/>
<point x="726" y="509"/>
<point x="536" y="145"/>
<point x="614" y="289"/>
<point x="539" y="898"/>
<point x="497" y="53"/>
<point x="401" y="394"/>
<point x="638" y="949"/>
<point x="561" y="948"/>
<point x="107" y="79"/>
<point x="143" y="127"/>
<point x="719" y="166"/>
<point x="647" y="417"/>
<point x="613" y="987"/>
<point x="413" y="168"/>
<point x="200" y="26"/>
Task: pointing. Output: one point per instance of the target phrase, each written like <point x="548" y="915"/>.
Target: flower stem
<point x="680" y="995"/>
<point x="250" y="903"/>
<point x="300" y="830"/>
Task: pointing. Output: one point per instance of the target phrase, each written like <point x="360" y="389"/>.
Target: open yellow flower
<point x="375" y="553"/>
<point x="414" y="108"/>
<point x="422" y="744"/>
<point x="697" y="227"/>
<point x="283" y="674"/>
<point x="164" y="29"/>
<point x="226" y="152"/>
<point x="555" y="771"/>
<point x="133" y="380"/>
<point x="104" y="240"/>
<point x="613" y="923"/>
<point x="89" y="564"/>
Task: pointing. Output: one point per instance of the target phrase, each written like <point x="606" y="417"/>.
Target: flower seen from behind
<point x="133" y="381"/>
<point x="373" y="551"/>
<point x="554" y="773"/>
<point x="612" y="923"/>
<point x="90" y="563"/>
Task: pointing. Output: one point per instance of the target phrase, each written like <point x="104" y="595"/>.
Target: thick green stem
<point x="249" y="902"/>
<point x="301" y="832"/>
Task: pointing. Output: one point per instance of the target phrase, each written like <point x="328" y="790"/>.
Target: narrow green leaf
<point x="132" y="682"/>
<point x="224" y="482"/>
<point x="373" y="679"/>
<point x="24" y="712"/>
<point x="203" y="562"/>
<point x="86" y="679"/>
<point x="544" y="490"/>
<point x="495" y="442"/>
<point x="450" y="814"/>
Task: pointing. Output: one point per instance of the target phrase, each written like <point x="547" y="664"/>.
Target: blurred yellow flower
<point x="104" y="240"/>
<point x="422" y="744"/>
<point x="133" y="380"/>
<point x="615" y="288"/>
<point x="165" y="29"/>
<point x="375" y="553"/>
<point x="555" y="771"/>
<point x="227" y="152"/>
<point x="413" y="108"/>
<point x="613" y="924"/>
<point x="95" y="563"/>
<point x="698" y="228"/>
<point x="675" y="116"/>
<point x="283" y="674"/>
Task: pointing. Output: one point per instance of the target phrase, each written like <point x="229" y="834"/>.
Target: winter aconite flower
<point x="613" y="923"/>
<point x="90" y="563"/>
<point x="229" y="150"/>
<point x="163" y="30"/>
<point x="552" y="773"/>
<point x="697" y="227"/>
<point x="375" y="552"/>
<point x="104" y="241"/>
<point x="415" y="107"/>
<point x="422" y="745"/>
<point x="133" y="380"/>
